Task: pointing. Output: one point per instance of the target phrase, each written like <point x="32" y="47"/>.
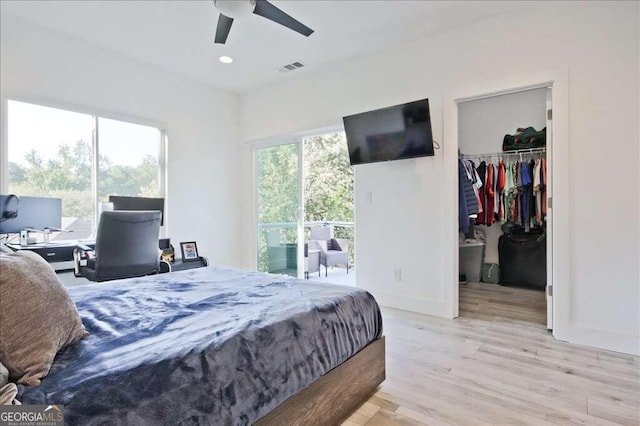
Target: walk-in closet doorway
<point x="482" y="122"/>
<point x="560" y="263"/>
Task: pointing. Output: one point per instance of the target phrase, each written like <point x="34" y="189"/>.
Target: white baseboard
<point x="600" y="339"/>
<point x="421" y="306"/>
<point x="616" y="342"/>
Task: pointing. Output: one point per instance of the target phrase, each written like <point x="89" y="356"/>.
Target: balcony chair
<point x="311" y="261"/>
<point x="333" y="251"/>
<point x="126" y="246"/>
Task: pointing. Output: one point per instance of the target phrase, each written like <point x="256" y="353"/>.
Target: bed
<point x="216" y="346"/>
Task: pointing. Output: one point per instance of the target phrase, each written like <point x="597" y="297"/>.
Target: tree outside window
<point x="50" y="154"/>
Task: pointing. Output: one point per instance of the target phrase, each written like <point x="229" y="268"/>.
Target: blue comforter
<point x="205" y="346"/>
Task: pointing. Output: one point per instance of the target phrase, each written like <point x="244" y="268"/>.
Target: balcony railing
<point x="288" y="235"/>
<point x="306" y="224"/>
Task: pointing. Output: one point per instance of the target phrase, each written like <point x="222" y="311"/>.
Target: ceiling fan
<point x="232" y="9"/>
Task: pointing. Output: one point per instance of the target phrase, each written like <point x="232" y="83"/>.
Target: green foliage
<point x="277" y="181"/>
<point x="141" y="180"/>
<point x="277" y="169"/>
<point x="16" y="173"/>
<point x="328" y="185"/>
<point x="68" y="176"/>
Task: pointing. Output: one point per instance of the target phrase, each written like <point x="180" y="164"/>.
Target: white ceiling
<point x="178" y="35"/>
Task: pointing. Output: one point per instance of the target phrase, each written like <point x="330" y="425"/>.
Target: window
<point x="129" y="160"/>
<point x="51" y="153"/>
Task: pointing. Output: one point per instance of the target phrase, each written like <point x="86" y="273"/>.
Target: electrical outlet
<point x="397" y="274"/>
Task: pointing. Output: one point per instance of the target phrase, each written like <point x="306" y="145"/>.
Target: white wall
<point x="482" y="124"/>
<point x="408" y="223"/>
<point x="202" y="123"/>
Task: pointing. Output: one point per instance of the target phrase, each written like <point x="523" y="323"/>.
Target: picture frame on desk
<point x="189" y="251"/>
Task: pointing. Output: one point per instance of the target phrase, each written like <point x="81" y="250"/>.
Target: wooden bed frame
<point x="335" y="396"/>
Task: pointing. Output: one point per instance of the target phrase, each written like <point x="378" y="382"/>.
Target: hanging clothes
<point x="496" y="192"/>
<point x="477" y="186"/>
<point x="509" y="191"/>
<point x="477" y="182"/>
<point x="463" y="212"/>
<point x="490" y="194"/>
<point x="525" y="196"/>
<point x="501" y="185"/>
<point x="482" y="174"/>
<point x="470" y="168"/>
<point x="532" y="196"/>
<point x="537" y="190"/>
<point x="517" y="189"/>
<point x="467" y="200"/>
<point x="543" y="185"/>
<point x="469" y="192"/>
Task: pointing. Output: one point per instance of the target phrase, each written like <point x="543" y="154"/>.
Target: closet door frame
<point x="558" y="243"/>
<point x="549" y="195"/>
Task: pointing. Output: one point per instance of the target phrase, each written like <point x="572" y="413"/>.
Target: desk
<point x="58" y="254"/>
<point x="179" y="265"/>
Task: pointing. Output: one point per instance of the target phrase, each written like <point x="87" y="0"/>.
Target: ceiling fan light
<point x="235" y="8"/>
<point x="225" y="59"/>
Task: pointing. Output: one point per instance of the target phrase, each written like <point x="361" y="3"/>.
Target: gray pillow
<point x="37" y="317"/>
<point x="334" y="245"/>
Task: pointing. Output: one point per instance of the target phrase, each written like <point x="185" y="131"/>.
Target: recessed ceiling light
<point x="226" y="59"/>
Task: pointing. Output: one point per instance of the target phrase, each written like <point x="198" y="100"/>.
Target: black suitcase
<point x="523" y="258"/>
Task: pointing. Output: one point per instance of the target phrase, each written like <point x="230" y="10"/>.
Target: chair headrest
<point x="131" y="216"/>
<point x="321" y="233"/>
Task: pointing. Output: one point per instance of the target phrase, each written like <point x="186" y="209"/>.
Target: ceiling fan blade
<point x="269" y="11"/>
<point x="222" y="31"/>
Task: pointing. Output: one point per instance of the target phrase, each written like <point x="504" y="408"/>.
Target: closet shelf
<point x="506" y="153"/>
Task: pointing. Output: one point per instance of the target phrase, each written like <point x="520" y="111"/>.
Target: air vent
<point x="291" y="67"/>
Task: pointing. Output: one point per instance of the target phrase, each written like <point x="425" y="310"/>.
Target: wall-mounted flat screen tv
<point x="393" y="133"/>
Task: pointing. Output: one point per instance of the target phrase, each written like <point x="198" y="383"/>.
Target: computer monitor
<point x="138" y="203"/>
<point x="32" y="213"/>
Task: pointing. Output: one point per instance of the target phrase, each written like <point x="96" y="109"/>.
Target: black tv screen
<point x="138" y="203"/>
<point x="393" y="133"/>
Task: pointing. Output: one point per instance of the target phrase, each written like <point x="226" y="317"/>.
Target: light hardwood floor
<point x="495" y="302"/>
<point x="497" y="365"/>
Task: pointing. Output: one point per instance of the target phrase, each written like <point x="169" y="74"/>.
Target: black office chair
<point x="126" y="246"/>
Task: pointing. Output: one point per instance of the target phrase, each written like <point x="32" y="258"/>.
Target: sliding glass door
<point x="300" y="186"/>
<point x="278" y="186"/>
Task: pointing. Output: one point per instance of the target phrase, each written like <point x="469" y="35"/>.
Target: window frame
<point x="96" y="114"/>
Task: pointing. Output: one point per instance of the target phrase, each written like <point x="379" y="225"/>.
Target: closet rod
<point x="504" y="153"/>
